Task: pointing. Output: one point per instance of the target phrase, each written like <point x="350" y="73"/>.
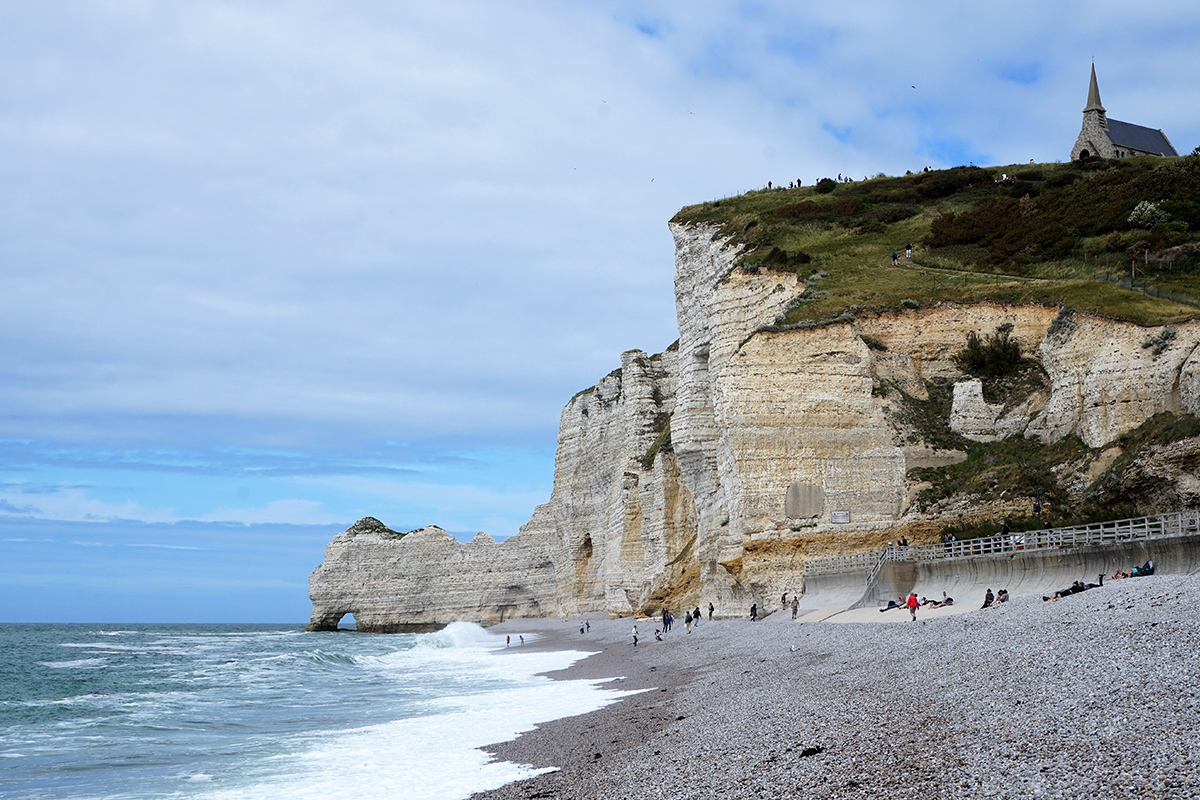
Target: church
<point x="1111" y="138"/>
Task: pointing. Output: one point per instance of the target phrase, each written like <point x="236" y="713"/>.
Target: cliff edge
<point x="711" y="472"/>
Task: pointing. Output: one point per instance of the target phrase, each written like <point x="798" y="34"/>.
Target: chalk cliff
<point x="712" y="471"/>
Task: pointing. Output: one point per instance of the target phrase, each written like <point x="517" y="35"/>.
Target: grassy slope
<point x="1044" y="238"/>
<point x="1021" y="241"/>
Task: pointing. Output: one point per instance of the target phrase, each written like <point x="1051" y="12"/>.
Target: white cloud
<point x="236" y="222"/>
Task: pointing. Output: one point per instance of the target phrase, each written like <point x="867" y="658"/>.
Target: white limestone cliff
<point x="712" y="471"/>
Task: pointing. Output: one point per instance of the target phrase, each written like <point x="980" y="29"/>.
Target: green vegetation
<point x="1162" y="428"/>
<point x="1051" y="234"/>
<point x="1012" y="467"/>
<point x="1052" y="517"/>
<point x="662" y="424"/>
<point x="1008" y="377"/>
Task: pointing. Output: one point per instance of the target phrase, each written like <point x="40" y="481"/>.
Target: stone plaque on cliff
<point x="804" y="500"/>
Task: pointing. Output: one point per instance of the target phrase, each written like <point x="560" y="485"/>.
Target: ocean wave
<point x="459" y="634"/>
<point x="78" y="663"/>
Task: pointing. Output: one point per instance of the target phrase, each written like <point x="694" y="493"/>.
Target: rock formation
<point x="712" y="471"/>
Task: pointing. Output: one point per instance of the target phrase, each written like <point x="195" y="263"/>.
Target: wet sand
<point x="1092" y="695"/>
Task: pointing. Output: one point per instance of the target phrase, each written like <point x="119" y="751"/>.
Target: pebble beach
<point x="1093" y="695"/>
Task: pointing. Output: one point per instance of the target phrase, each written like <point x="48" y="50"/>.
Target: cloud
<point x="288" y="512"/>
<point x="318" y="252"/>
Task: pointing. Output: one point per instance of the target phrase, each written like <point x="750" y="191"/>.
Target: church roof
<point x="1137" y="137"/>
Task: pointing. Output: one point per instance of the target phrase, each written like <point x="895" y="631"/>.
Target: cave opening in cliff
<point x="346" y="623"/>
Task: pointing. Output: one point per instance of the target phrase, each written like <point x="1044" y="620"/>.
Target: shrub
<point x="778" y="257"/>
<point x="1146" y="215"/>
<point x="1062" y="179"/>
<point x="888" y="213"/>
<point x="1160" y="342"/>
<point x="826" y="185"/>
<point x="994" y="355"/>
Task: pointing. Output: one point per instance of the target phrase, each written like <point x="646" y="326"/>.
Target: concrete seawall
<point x="1022" y="573"/>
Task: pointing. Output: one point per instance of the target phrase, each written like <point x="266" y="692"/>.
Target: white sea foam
<point x="436" y="755"/>
<point x="78" y="663"/>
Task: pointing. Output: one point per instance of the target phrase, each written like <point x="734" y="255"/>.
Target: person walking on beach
<point x="687" y="622"/>
<point x="711" y="609"/>
<point x="696" y="617"/>
<point x="581" y="627"/>
<point x="507" y="641"/>
<point x="795" y="606"/>
<point x="635" y="635"/>
<point x="754" y="612"/>
<point x="913" y="603"/>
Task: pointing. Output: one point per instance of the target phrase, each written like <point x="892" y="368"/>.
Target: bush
<point x="952" y="181"/>
<point x="991" y="356"/>
<point x="778" y="257"/>
<point x="826" y="185"/>
<point x="1146" y="215"/>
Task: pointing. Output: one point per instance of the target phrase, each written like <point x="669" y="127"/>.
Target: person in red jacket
<point x="912" y="605"/>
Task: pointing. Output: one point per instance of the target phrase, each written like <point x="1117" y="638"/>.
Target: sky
<point x="267" y="268"/>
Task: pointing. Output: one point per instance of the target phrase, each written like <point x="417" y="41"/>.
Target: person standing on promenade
<point x="795" y="606"/>
<point x="711" y="609"/>
<point x="912" y="604"/>
<point x="754" y="612"/>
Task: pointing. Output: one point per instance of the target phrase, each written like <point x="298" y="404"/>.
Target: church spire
<point x="1094" y="95"/>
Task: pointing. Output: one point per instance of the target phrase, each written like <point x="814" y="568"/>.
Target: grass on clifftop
<point x="1051" y="234"/>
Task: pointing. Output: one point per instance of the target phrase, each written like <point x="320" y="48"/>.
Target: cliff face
<point x="711" y="472"/>
<point x="395" y="583"/>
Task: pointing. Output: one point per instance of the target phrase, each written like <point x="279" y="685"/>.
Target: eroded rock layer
<point x="712" y="471"/>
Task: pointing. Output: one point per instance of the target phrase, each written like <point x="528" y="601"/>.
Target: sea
<point x="239" y="712"/>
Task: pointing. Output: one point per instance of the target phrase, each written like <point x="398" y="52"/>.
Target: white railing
<point x="1157" y="526"/>
<point x="864" y="559"/>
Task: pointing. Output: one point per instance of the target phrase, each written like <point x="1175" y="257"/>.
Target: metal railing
<point x="864" y="559"/>
<point x="1157" y="526"/>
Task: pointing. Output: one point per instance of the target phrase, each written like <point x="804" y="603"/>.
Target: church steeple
<point x="1094" y="98"/>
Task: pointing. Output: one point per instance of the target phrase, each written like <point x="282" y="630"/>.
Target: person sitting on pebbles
<point x="988" y="599"/>
<point x="1002" y="596"/>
